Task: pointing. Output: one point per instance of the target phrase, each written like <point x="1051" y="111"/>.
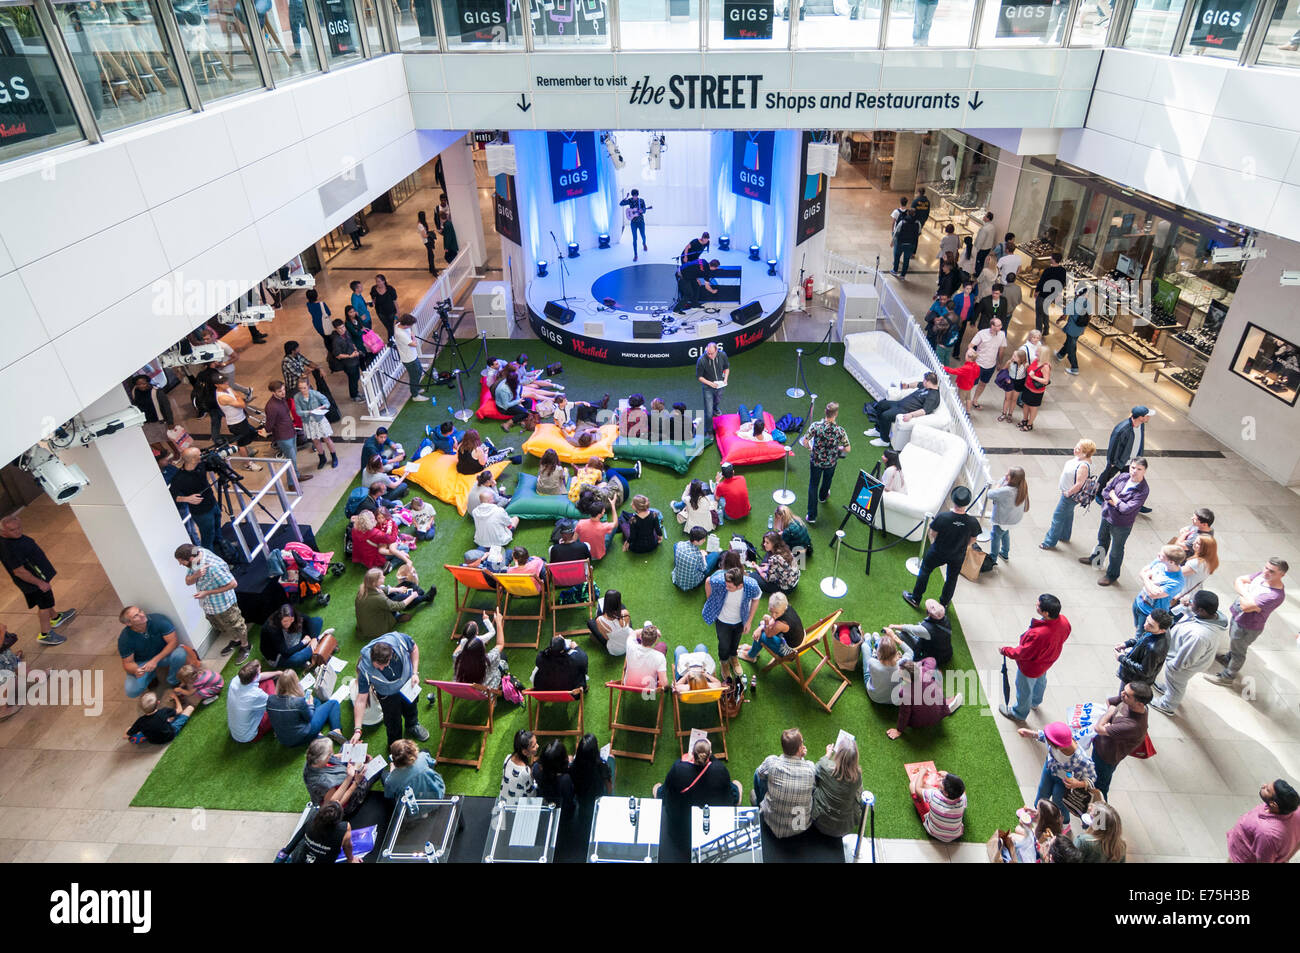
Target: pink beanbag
<point x="487" y="405"/>
<point x="739" y="451"/>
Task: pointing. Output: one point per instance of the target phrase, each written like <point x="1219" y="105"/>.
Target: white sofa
<point x="878" y="362"/>
<point x="903" y="429"/>
<point x="932" y="462"/>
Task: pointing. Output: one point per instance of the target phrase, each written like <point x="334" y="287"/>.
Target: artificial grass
<point x="204" y="767"/>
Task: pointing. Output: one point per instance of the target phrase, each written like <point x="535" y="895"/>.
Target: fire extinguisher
<point x="808" y="288"/>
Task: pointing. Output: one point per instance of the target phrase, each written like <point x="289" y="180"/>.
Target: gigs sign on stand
<point x="573" y="164"/>
<point x="751" y="165"/>
<point x="812" y="197"/>
<point x="747" y="19"/>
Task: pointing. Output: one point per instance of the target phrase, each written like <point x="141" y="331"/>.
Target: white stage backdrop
<point x="679" y="190"/>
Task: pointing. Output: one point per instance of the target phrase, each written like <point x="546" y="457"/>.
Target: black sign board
<point x="867" y="494"/>
<point x="812" y="197"/>
<point x="1220" y="24"/>
<point x="747" y="19"/>
<point x="506" y="206"/>
<point x="1215" y="312"/>
<point x="24" y="114"/>
<point x="483" y="21"/>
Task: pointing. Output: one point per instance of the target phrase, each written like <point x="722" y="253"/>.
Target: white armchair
<point x="932" y="461"/>
<point x="903" y="429"/>
<point x="878" y="362"/>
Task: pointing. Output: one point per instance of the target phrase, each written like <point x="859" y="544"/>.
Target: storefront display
<point x="1268" y="362"/>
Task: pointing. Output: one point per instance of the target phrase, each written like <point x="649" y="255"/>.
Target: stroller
<point x="300" y="570"/>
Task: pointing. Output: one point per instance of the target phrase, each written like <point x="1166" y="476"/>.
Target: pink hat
<point x="1058" y="734"/>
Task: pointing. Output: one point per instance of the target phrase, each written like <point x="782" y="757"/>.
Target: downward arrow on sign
<point x="976" y="103"/>
<point x="523" y="103"/>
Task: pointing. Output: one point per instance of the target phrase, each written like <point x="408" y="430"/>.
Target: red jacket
<point x="966" y="375"/>
<point x="1040" y="646"/>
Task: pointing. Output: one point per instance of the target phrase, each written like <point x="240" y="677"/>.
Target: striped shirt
<point x="213" y="574"/>
<point x="944" y="819"/>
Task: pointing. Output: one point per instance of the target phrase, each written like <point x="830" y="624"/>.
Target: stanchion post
<point x="796" y="390"/>
<point x="464" y="413"/>
<point x="914" y="563"/>
<point x="826" y="360"/>
<point x="833" y="586"/>
<point x="785" y="496"/>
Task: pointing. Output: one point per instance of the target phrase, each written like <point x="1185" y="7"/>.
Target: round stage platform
<point x="642" y="329"/>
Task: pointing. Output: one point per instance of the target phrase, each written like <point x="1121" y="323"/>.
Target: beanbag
<point x="487" y="405"/>
<point x="548" y="437"/>
<point x="528" y="504"/>
<point x="739" y="451"/>
<point x="436" y="473"/>
<point x="674" y="454"/>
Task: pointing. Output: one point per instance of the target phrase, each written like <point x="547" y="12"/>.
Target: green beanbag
<point x="528" y="504"/>
<point x="675" y="454"/>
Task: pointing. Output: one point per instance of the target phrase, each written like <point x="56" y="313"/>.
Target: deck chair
<point x="561" y="576"/>
<point x="462" y="691"/>
<point x="816" y="641"/>
<point x="537" y="699"/>
<point x="617" y="692"/>
<point x="468" y="581"/>
<point x="522" y="586"/>
<point x="703" y="696"/>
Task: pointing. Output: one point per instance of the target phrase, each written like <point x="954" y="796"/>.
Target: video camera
<point x="214" y="460"/>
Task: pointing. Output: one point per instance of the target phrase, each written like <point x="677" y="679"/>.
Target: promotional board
<point x="812" y="196"/>
<point x="751" y="165"/>
<point x="573" y="164"/>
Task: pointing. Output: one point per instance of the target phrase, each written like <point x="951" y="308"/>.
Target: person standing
<point x="360" y="305"/>
<point x="1162" y="581"/>
<point x="906" y="237"/>
<point x="731" y="600"/>
<point x="1037" y="651"/>
<point x="1127" y="443"/>
<point x="712" y="370"/>
<point x="1119" y="731"/>
<point x="985" y="239"/>
<point x="996" y="305"/>
<point x="1268" y="833"/>
<point x="214" y="587"/>
<point x="388" y="669"/>
<point x="1067" y="765"/>
<point x="409" y="354"/>
<point x="321" y="316"/>
<point x="921" y="206"/>
<point x="950" y="535"/>
<point x="988" y="346"/>
<point x="312" y="406"/>
<point x="1123" y="496"/>
<point x="429" y="240"/>
<point x="349" y="357"/>
<point x="1074" y="321"/>
<point x="695" y="248"/>
<point x="31" y="571"/>
<point x="190" y="486"/>
<point x="637" y="208"/>
<point x="1048" y="291"/>
<point x="384" y="297"/>
<point x="1010" y="503"/>
<point x="1192" y="639"/>
<point x="279" y="426"/>
<point x="353" y="229"/>
<point x="1074" y="475"/>
<point x="294" y="367"/>
<point x="1257" y="596"/>
<point x="827" y="443"/>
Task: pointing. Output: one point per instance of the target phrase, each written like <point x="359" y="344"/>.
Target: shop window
<point x="340" y="30"/>
<point x="416" y="27"/>
<point x="36" y="113"/>
<point x="1153" y="25"/>
<point x="123" y="60"/>
<point x="370" y="22"/>
<point x="287" y="34"/>
<point x="1269" y="362"/>
<point x="659" y="24"/>
<point x="483" y="25"/>
<point x="216" y="41"/>
<point x="1023" y="22"/>
<point x="838" y="24"/>
<point x="1281" y="37"/>
<point x="759" y="24"/>
<point x="1092" y="23"/>
<point x="1219" y="28"/>
<point x="941" y="23"/>
<point x="564" y="24"/>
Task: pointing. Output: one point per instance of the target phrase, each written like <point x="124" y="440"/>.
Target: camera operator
<point x="190" y="486"/>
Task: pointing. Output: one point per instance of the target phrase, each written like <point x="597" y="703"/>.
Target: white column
<point x="462" y="194"/>
<point x="1005" y="179"/>
<point x="132" y="525"/>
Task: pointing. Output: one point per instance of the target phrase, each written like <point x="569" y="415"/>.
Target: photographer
<point x="190" y="486"/>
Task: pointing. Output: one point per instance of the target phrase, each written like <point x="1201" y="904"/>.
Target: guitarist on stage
<point x="636" y="209"/>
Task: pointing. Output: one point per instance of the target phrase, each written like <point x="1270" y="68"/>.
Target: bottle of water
<point x="429" y="851"/>
<point x="769" y="524"/>
<point x="706" y="819"/>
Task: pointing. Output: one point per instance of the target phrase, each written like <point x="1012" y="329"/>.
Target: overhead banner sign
<point x="751" y="165"/>
<point x="747" y="19"/>
<point x="1220" y="24"/>
<point x="573" y="164"/>
<point x="483" y="21"/>
<point x="1025" y="17"/>
<point x="506" y="209"/>
<point x="812" y="198"/>
<point x="24" y="114"/>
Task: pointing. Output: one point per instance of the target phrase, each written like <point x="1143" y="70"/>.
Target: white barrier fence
<point x="386" y="372"/>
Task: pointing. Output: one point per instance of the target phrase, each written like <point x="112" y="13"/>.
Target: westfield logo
<point x="580" y="347"/>
<point x="745" y="340"/>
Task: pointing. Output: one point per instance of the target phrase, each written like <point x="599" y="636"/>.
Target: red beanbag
<point x="487" y="405"/>
<point x="737" y="450"/>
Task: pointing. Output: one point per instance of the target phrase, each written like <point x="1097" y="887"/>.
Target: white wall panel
<point x="261" y="126"/>
<point x="1127" y="75"/>
<point x="35" y="391"/>
<point x="201" y="218"/>
<point x="1162" y="174"/>
<point x="6" y="260"/>
<point x="275" y="180"/>
<point x="1190" y="83"/>
<point x="1171" y="130"/>
<point x="182" y="154"/>
<point x="24" y="331"/>
<point x="423" y="73"/>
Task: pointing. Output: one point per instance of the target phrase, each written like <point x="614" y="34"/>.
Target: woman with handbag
<point x="312" y="408"/>
<point x="1075" y="474"/>
<point x="1037" y="377"/>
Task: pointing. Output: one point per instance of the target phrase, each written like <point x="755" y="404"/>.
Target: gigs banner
<point x="24" y="114"/>
<point x="751" y="165"/>
<point x="812" y="198"/>
<point x="506" y="207"/>
<point x="1220" y="24"/>
<point x="482" y="21"/>
<point x="573" y="164"/>
<point x="747" y="19"/>
<point x="1027" y="17"/>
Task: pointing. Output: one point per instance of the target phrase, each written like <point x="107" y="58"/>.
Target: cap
<point x="1058" y="734"/>
<point x="1140" y="411"/>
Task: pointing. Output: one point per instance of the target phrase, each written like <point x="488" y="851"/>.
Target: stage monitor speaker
<point x="648" y="329"/>
<point x="747" y="313"/>
<point x="593" y="329"/>
<point x="706" y="329"/>
<point x="558" y="313"/>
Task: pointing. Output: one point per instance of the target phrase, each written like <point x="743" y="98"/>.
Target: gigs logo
<point x="747" y="19"/>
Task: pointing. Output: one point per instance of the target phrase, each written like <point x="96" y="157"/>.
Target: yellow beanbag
<point x="436" y="473"/>
<point x="548" y="437"/>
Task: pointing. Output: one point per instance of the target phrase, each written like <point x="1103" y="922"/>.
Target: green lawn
<point x="204" y="767"/>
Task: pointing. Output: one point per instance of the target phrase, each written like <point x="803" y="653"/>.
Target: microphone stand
<point x="559" y="260"/>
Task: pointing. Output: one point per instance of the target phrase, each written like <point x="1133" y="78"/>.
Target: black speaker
<point x="558" y="313"/>
<point x="747" y="313"/>
<point x="647" y="329"/>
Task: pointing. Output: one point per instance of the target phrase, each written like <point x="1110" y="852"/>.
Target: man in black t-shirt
<point x="569" y="548"/>
<point x="694" y="280"/>
<point x="31" y="572"/>
<point x="693" y="782"/>
<point x="950" y="534"/>
<point x="1050" y="288"/>
<point x="695" y="248"/>
<point x="560" y="667"/>
<point x="190" y="486"/>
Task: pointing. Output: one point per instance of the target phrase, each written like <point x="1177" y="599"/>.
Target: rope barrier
<point x="901" y="539"/>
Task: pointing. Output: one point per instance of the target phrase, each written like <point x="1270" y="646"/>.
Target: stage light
<point x="771" y="267"/>
<point x="542" y="265"/>
<point x="724" y="243"/>
<point x="753" y="252"/>
<point x="573" y="249"/>
<point x="602" y="241"/>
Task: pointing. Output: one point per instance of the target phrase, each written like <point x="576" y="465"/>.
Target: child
<point x="966" y="376"/>
<point x="422" y="519"/>
<point x="941" y="808"/>
<point x="1010" y="503"/>
<point x="1017" y="369"/>
<point x="157" y="724"/>
<point x="407" y="577"/>
<point x="198" y="685"/>
<point x="446" y="438"/>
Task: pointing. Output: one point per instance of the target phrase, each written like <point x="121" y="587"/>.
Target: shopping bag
<point x="569" y="159"/>
<point x="974" y="561"/>
<point x="751" y="153"/>
<point x="1145" y="749"/>
<point x="846" y="647"/>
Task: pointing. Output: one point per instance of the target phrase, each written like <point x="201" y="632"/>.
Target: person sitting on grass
<point x="643" y="528"/>
<point x="158" y="724"/>
<point x="330" y="778"/>
<point x="198" y="685"/>
<point x="779" y="571"/>
<point x="295" y="719"/>
<point x="880" y="669"/>
<point x="697" y="507"/>
<point x="613" y="626"/>
<point x="930" y="638"/>
<point x="793" y="530"/>
<point x="691" y="564"/>
<point x="289" y="638"/>
<point x="781" y="630"/>
<point x="409" y="767"/>
<point x="246" y="700"/>
<point x="423" y="519"/>
<point x="942" y="807"/>
<point x="379" y="607"/>
<point x="922" y="702"/>
<point x="693" y="671"/>
<point x="394" y="487"/>
<point x="732" y="491"/>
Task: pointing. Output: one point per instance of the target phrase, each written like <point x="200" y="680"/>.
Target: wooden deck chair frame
<point x="616" y="692"/>
<point x="702" y="696"/>
<point x="467" y="693"/>
<point x="817" y="642"/>
<point x="535" y="701"/>
<point x="522" y="586"/>
<point x="462" y="578"/>
<point x="554" y="587"/>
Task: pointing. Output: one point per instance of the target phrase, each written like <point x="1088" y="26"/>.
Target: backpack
<point x="355" y="498"/>
<point x="512" y="690"/>
<point x="1088" y="492"/>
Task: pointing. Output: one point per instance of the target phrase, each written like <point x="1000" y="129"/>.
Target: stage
<point x="645" y="292"/>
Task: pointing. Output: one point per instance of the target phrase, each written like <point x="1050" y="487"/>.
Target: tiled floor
<point x="66" y="779"/>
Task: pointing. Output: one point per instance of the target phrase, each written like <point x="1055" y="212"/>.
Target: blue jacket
<point x="718" y="593"/>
